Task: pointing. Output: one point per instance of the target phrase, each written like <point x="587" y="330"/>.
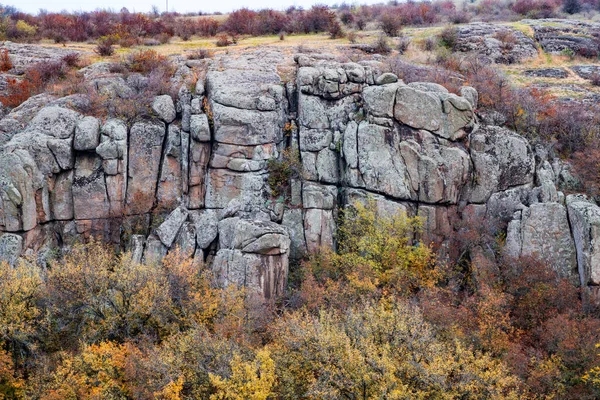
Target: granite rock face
<point x="194" y="177"/>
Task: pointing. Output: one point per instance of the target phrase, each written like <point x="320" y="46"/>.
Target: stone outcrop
<point x="497" y="43"/>
<point x="563" y="35"/>
<point x="194" y="175"/>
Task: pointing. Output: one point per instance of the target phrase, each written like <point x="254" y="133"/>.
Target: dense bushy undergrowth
<point x="382" y="318"/>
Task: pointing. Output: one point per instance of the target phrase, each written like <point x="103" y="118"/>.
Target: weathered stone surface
<point x="206" y="224"/>
<point x="436" y="224"/>
<point x="199" y="128"/>
<point x="437" y="170"/>
<point x="224" y="185"/>
<point x="379" y="100"/>
<point x="63" y="152"/>
<point x="90" y="199"/>
<point x="380" y="163"/>
<point x="384" y="206"/>
<point x="170" y="185"/>
<point x="319" y="196"/>
<point x="319" y="229"/>
<point x="11" y="246"/>
<point x="243" y="89"/>
<point x="544" y="234"/>
<point x="470" y="94"/>
<point x="386" y="78"/>
<point x="501" y="160"/>
<point x="87" y="134"/>
<point x="198" y="163"/>
<point x="584" y="217"/>
<point x="246" y="127"/>
<point x="487" y="40"/>
<point x="164" y="108"/>
<point x="61" y="197"/>
<point x="502" y="205"/>
<point x="557" y="73"/>
<point x="146" y="142"/>
<point x="254" y="254"/>
<point x="108" y="150"/>
<point x="167" y="231"/>
<point x="262" y="275"/>
<point x="293" y="220"/>
<point x="558" y="35"/>
<point x="418" y="109"/>
<point x="114" y="129"/>
<point x="238" y="233"/>
<point x="444" y="114"/>
<point x="17" y="191"/>
<point x="57" y="122"/>
<point x="185" y="242"/>
<point x="315" y="139"/>
<point x="362" y="136"/>
<point x="136" y="247"/>
<point x="586" y="71"/>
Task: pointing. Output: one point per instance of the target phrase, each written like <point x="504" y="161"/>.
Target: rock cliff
<point x="194" y="176"/>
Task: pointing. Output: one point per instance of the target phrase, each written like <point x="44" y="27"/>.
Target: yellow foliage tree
<point x="25" y="29"/>
<point x="20" y="288"/>
<point x="377" y="249"/>
<point x="381" y="350"/>
<point x="250" y="380"/>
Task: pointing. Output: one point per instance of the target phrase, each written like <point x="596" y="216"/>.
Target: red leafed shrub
<point x="240" y="22"/>
<point x="105" y="46"/>
<point x="317" y="19"/>
<point x="49" y="71"/>
<point x="145" y="61"/>
<point x="270" y="22"/>
<point x="72" y="60"/>
<point x="536" y="8"/>
<point x="208" y="27"/>
<point x="391" y="24"/>
<point x="5" y="61"/>
<point x="19" y="90"/>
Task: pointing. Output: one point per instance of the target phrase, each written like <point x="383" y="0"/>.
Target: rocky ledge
<point x="195" y="176"/>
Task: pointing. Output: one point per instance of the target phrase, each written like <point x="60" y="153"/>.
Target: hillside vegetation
<point x="396" y="201"/>
<point x="383" y="318"/>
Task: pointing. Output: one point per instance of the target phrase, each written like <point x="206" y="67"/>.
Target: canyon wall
<point x="194" y="176"/>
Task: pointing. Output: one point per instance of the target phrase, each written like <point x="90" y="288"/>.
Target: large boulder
<point x="501" y="160"/>
<point x="87" y="134"/>
<point x="444" y="114"/>
<point x="254" y="254"/>
<point x="164" y="108"/>
<point x="54" y="121"/>
<point x="543" y="233"/>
